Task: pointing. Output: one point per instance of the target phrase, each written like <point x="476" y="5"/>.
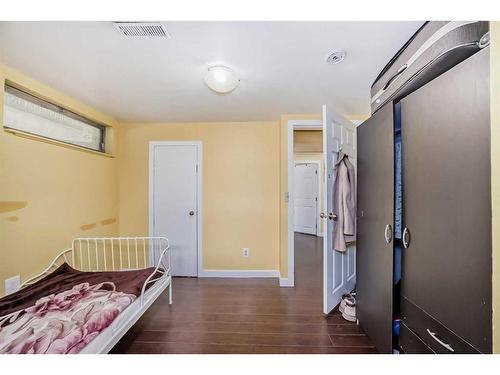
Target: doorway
<point x="293" y="125"/>
<point x="339" y="268"/>
<point x="175" y="201"/>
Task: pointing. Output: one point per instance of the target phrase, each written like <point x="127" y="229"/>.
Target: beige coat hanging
<point x="344" y="203"/>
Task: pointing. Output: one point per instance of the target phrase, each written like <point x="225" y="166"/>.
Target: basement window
<point x="32" y="115"/>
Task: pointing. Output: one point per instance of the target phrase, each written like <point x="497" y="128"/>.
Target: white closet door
<point x="175" y="211"/>
<point x="305" y="197"/>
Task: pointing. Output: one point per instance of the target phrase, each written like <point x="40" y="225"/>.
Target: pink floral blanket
<point x="64" y="322"/>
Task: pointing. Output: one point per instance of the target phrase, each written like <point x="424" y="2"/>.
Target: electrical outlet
<point x="12" y="285"/>
<point x="246" y="252"/>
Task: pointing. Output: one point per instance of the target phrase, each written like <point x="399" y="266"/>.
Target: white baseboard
<point x="285" y="283"/>
<point x="240" y="273"/>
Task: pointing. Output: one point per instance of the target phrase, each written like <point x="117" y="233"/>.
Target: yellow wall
<point x="495" y="176"/>
<point x="240" y="188"/>
<point x="61" y="189"/>
<point x="308" y="141"/>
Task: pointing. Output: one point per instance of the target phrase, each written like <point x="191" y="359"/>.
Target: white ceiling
<point x="281" y="66"/>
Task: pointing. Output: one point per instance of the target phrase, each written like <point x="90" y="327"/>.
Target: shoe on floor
<point x="342" y="306"/>
<point x="347" y="299"/>
<point x="349" y="313"/>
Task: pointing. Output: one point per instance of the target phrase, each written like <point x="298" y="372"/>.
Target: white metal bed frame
<point x="119" y="254"/>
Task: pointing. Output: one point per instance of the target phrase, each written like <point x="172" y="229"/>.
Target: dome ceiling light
<point x="221" y="79"/>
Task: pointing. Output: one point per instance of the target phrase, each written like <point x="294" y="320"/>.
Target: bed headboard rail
<point x="112" y="254"/>
<point x="118" y="253"/>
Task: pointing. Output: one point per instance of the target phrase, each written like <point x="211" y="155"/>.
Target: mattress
<point x="67" y="309"/>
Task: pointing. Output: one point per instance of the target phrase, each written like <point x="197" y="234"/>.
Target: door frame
<point x="318" y="189"/>
<point x="199" y="192"/>
<point x="291" y="126"/>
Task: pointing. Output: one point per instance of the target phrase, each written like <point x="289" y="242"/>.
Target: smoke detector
<point x="142" y="29"/>
<point x="336" y="56"/>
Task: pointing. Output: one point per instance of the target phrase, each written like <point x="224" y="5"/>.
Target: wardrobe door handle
<point x="442" y="343"/>
<point x="388" y="233"/>
<point x="406" y="238"/>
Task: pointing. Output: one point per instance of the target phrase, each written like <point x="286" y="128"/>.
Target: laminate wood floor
<point x="212" y="315"/>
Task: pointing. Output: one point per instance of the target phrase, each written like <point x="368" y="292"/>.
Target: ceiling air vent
<point x="142" y="29"/>
<point x="336" y="56"/>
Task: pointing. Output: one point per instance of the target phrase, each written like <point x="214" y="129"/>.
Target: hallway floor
<point x="211" y="315"/>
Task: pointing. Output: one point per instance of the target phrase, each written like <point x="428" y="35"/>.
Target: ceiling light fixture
<point x="221" y="79"/>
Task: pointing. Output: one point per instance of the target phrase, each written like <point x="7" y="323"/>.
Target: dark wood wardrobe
<point x="443" y="298"/>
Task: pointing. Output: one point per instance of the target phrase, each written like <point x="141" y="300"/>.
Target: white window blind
<point x="33" y="115"/>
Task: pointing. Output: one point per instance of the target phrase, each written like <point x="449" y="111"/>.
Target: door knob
<point x="191" y="213"/>
<point x="332" y="216"/>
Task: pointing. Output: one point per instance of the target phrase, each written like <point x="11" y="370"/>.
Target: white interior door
<point x="305" y="198"/>
<point x="339" y="269"/>
<point x="174" y="202"/>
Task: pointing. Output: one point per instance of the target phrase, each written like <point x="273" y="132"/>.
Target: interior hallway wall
<point x="240" y="188"/>
<point x="308" y="141"/>
<point x="50" y="194"/>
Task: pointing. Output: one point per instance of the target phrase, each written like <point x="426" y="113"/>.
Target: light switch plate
<point x="12" y="284"/>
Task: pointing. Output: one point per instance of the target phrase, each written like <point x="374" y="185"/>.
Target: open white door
<point x="339" y="269"/>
